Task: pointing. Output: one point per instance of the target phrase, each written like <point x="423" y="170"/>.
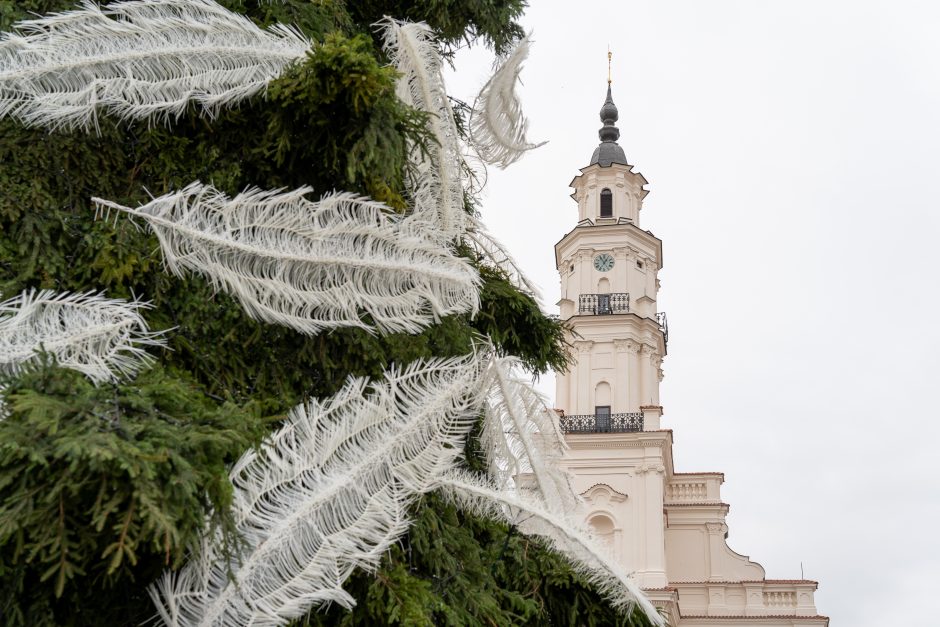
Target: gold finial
<point x="609" y="55"/>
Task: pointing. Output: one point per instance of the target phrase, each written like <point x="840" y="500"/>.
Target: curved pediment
<point x="600" y="493"/>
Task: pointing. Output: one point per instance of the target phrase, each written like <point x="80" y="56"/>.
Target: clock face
<point x="603" y="262"/>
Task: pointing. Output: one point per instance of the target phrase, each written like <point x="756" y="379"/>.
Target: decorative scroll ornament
<point x="311" y="265"/>
<point x="142" y="59"/>
<point x="326" y="494"/>
<point x="497" y="125"/>
<point x="102" y="338"/>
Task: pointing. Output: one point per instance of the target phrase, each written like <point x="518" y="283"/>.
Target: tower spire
<point x="609" y="151"/>
<point x="609" y="55"/>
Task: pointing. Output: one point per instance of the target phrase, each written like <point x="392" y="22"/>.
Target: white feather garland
<point x="497" y="126"/>
<point x="102" y="338"/>
<point x="310" y="265"/>
<point x="532" y="517"/>
<point x="141" y="59"/>
<point x="492" y="251"/>
<point x="436" y="184"/>
<point x="522" y="437"/>
<point x="328" y="493"/>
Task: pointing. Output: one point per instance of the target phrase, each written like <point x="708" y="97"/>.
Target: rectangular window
<point x="602" y="418"/>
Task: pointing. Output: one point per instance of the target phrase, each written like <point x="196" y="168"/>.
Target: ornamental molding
<point x="575" y="442"/>
<point x="623" y="346"/>
<point x="598" y="490"/>
<point x="716" y="528"/>
<point x="584" y="346"/>
<point x="646" y="468"/>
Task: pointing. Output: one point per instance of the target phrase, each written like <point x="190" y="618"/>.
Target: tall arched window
<point x="607" y="203"/>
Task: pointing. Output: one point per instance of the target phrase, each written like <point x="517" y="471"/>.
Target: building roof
<point x="609" y="151"/>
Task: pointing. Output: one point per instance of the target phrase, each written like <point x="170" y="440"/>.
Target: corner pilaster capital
<point x="622" y="346"/>
<point x="632" y="346"/>
<point x="644" y="469"/>
<point x="584" y="346"/>
<point x="716" y="528"/>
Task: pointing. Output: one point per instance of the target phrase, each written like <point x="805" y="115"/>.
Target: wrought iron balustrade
<point x="661" y="320"/>
<point x="601" y="304"/>
<point x="602" y="423"/>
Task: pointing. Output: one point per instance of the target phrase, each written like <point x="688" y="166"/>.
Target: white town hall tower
<point x="667" y="527"/>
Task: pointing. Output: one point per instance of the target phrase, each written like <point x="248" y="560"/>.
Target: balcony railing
<point x="601" y="304"/>
<point x="602" y="423"/>
<point x="661" y="320"/>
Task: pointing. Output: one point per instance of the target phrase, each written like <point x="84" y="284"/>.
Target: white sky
<point x="791" y="149"/>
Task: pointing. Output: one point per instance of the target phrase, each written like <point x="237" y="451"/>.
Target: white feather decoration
<point x="102" y="338"/>
<point x="522" y="438"/>
<point x="142" y="59"/>
<point x="493" y="252"/>
<point x="310" y="265"/>
<point x="532" y="517"/>
<point x="328" y="493"/>
<point x="436" y="185"/>
<point x="497" y="126"/>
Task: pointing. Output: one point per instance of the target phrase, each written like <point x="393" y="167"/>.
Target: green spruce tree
<point x="104" y="487"/>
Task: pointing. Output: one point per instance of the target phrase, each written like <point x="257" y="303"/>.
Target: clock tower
<point x="666" y="527"/>
<point x="608" y="267"/>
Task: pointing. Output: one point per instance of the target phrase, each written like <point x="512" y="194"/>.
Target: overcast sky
<point x="792" y="154"/>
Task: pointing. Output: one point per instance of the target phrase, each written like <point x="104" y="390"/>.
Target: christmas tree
<point x="236" y="253"/>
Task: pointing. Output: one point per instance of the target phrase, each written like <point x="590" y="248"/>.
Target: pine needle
<point x="328" y="493"/>
<point x="533" y="518"/>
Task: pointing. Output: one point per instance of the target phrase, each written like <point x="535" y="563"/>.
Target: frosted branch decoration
<point x="522" y="438"/>
<point x="532" y="517"/>
<point x="492" y="251"/>
<point x="311" y="265"/>
<point x="328" y="493"/>
<point x="436" y="184"/>
<point x="102" y="338"/>
<point x="142" y="59"/>
<point x="497" y="126"/>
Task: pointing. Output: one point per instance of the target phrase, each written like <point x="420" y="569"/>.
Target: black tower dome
<point x="609" y="150"/>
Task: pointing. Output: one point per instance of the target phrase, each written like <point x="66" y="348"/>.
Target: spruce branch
<point x="533" y="517"/>
<point x="497" y="126"/>
<point x="141" y="59"/>
<point x="311" y="265"/>
<point x="326" y="494"/>
<point x="102" y="338"/>
<point x="492" y="251"/>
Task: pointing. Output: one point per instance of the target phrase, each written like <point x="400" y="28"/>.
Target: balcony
<point x="603" y="304"/>
<point x="663" y="326"/>
<point x="602" y="423"/>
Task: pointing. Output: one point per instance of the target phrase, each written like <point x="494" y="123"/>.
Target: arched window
<point x="603" y="527"/>
<point x="607" y="203"/>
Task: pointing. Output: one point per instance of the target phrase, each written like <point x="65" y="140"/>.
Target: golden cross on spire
<point x="609" y="55"/>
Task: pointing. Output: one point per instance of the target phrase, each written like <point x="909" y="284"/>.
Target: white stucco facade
<point x="667" y="527"/>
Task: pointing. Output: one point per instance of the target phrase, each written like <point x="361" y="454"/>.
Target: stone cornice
<point x="640" y="439"/>
<point x="615" y="232"/>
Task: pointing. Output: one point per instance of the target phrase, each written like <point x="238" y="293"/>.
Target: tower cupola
<point x="609" y="151"/>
